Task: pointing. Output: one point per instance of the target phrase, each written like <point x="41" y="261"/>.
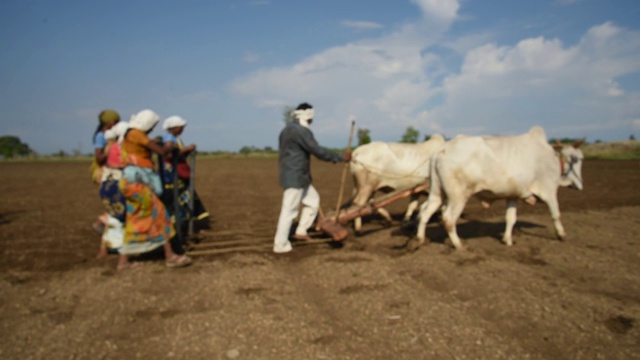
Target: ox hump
<point x="538" y="132"/>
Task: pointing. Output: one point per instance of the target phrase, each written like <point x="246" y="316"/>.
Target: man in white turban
<point x="297" y="143"/>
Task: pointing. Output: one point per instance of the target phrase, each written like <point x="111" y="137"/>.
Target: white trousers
<point x="291" y="200"/>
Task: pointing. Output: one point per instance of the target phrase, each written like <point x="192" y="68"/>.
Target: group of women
<point x="139" y="194"/>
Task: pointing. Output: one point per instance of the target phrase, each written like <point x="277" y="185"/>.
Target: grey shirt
<point x="296" y="145"/>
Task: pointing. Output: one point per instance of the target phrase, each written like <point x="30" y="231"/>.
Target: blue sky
<point x="229" y="67"/>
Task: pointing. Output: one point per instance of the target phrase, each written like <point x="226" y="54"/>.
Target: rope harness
<point x="572" y="161"/>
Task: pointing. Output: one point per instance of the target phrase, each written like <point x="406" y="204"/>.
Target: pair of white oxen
<point x="521" y="167"/>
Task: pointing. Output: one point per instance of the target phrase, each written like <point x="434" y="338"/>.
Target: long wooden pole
<point x="344" y="170"/>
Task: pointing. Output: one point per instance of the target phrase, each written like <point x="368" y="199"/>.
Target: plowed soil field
<point x="366" y="299"/>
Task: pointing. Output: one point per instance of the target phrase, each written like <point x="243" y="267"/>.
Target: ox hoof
<point x="414" y="244"/>
<point x="460" y="248"/>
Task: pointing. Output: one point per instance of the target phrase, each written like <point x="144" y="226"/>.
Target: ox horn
<point x="578" y="143"/>
<point x="557" y="145"/>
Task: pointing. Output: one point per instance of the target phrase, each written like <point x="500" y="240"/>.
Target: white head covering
<point x="304" y="116"/>
<point x="173" y="121"/>
<point x="117" y="131"/>
<point x="145" y="120"/>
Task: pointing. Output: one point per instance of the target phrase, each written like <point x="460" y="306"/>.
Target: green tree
<point x="246" y="150"/>
<point x="363" y="136"/>
<point x="11" y="146"/>
<point x="410" y="136"/>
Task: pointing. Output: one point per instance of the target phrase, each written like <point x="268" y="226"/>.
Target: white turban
<point x="117" y="131"/>
<point x="145" y="120"/>
<point x="304" y="116"/>
<point x="173" y="121"/>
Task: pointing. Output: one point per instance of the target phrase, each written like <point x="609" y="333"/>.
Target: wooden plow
<point x="230" y="241"/>
<point x="332" y="225"/>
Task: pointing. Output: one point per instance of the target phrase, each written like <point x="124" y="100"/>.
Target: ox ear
<point x="578" y="143"/>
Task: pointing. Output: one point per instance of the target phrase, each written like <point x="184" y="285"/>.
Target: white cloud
<point x="463" y="44"/>
<point x="540" y="81"/>
<point x="363" y="25"/>
<point x="440" y="10"/>
<point x="401" y="79"/>
<point x="381" y="80"/>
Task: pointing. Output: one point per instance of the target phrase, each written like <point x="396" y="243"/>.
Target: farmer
<point x="148" y="224"/>
<point x="112" y="198"/>
<point x="106" y="120"/>
<point x="296" y="145"/>
<point x="172" y="143"/>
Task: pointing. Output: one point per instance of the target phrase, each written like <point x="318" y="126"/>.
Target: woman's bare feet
<point x="178" y="261"/>
<point x="102" y="253"/>
<point x="129" y="266"/>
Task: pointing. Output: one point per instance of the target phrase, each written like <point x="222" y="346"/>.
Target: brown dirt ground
<point x="369" y="299"/>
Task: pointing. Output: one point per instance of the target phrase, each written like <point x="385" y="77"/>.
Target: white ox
<point x="390" y="166"/>
<point x="499" y="167"/>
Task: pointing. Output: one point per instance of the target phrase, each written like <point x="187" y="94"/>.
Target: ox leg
<point x="360" y="199"/>
<point x="357" y="224"/>
<point x="385" y="214"/>
<point x="554" y="209"/>
<point x="450" y="217"/>
<point x="510" y="219"/>
<point x="427" y="210"/>
<point x="413" y="205"/>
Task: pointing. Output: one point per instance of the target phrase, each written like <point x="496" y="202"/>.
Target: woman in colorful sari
<point x="148" y="225"/>
<point x="106" y="120"/>
<point x="112" y="198"/>
<point x="172" y="143"/>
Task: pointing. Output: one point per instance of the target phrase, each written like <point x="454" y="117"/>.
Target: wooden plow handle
<point x="344" y="169"/>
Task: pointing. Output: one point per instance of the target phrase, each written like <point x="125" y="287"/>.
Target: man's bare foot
<point x="302" y="237"/>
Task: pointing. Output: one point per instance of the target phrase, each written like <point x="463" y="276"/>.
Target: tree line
<point x="12" y="147"/>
